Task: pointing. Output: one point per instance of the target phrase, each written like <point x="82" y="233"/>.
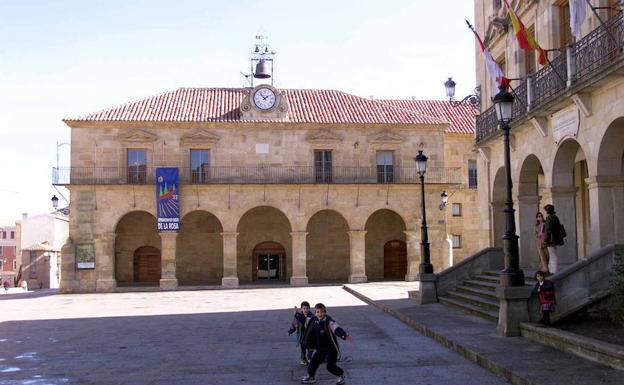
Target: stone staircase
<point x="477" y="295"/>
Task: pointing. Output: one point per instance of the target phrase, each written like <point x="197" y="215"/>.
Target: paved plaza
<point x="208" y="337"/>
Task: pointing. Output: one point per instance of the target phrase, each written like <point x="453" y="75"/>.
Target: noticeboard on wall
<point x="85" y="256"/>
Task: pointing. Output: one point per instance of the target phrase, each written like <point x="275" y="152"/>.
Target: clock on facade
<point x="264" y="98"/>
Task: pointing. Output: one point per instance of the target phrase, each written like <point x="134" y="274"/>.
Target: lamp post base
<point x="514" y="308"/>
<point x="510" y="278"/>
<point x="428" y="290"/>
<point x="425" y="268"/>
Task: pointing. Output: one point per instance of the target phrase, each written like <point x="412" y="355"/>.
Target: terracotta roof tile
<point x="221" y="105"/>
<point x="462" y="117"/>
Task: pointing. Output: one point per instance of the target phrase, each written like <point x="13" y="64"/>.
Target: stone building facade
<point x="9" y="264"/>
<point x="299" y="187"/>
<point x="567" y="134"/>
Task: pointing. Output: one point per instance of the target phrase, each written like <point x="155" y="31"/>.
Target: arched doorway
<point x="269" y="261"/>
<point x="199" y="249"/>
<point x="497" y="205"/>
<point x="134" y="231"/>
<point x="327" y="248"/>
<point x="395" y="260"/>
<point x="607" y="188"/>
<point x="570" y="196"/>
<point x="530" y="191"/>
<point x="146" y="265"/>
<point x="257" y="226"/>
<point x="385" y="228"/>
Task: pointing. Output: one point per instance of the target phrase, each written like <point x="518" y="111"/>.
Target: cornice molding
<point x="138" y="136"/>
<point x="200" y="136"/>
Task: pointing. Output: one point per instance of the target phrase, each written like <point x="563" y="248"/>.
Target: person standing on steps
<point x="554" y="237"/>
<point x="545" y="291"/>
<point x="540" y="241"/>
<point x="321" y="334"/>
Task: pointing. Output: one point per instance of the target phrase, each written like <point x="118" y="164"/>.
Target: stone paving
<point x="208" y="337"/>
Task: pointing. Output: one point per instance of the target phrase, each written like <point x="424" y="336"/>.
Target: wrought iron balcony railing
<point x="263" y="174"/>
<point x="594" y="54"/>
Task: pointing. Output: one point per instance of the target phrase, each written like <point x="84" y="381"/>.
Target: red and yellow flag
<point x="526" y="41"/>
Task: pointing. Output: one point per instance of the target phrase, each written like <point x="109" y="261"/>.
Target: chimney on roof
<point x="413" y="97"/>
<point x="24" y="216"/>
<point x="372" y="97"/>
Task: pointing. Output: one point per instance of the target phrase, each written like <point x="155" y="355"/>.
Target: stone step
<point x="486" y="303"/>
<point x="481" y="284"/>
<point x="473" y="290"/>
<point x="528" y="275"/>
<point x="489" y="315"/>
<point x="486" y="277"/>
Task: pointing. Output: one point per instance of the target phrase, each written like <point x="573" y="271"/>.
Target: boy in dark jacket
<point x="545" y="291"/>
<point x="321" y="333"/>
<point x="301" y="318"/>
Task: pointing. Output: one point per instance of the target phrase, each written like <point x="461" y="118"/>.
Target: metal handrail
<point x="261" y="174"/>
<point x="595" y="52"/>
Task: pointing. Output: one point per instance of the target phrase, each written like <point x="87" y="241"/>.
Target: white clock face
<point x="264" y="98"/>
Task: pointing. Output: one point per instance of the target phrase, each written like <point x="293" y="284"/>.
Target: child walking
<point x="321" y="335"/>
<point x="299" y="322"/>
<point x="545" y="290"/>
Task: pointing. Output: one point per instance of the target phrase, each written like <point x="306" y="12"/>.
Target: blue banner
<point x="167" y="199"/>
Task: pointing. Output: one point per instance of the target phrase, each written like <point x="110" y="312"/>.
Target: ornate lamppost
<point x="472" y="99"/>
<point x="427" y="292"/>
<point x="512" y="275"/>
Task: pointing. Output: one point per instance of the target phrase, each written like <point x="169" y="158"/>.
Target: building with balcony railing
<point x="567" y="133"/>
<point x="322" y="186"/>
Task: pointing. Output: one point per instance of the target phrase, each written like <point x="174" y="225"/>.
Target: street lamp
<point x="425" y="266"/>
<point x="511" y="275"/>
<point x="472" y="99"/>
<point x="54" y="201"/>
<point x="444" y="197"/>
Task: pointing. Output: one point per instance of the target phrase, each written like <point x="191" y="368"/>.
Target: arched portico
<point x="136" y="243"/>
<point x="606" y="188"/>
<point x="328" y="247"/>
<point x="570" y="196"/>
<point x="385" y="246"/>
<point x="199" y="249"/>
<point x="258" y="225"/>
<point x="530" y="192"/>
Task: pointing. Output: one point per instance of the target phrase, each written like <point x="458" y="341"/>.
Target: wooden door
<point x="147" y="264"/>
<point x="395" y="260"/>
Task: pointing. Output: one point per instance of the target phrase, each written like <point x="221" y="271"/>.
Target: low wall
<point x="490" y="258"/>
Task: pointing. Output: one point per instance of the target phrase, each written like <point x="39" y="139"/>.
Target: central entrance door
<point x="269" y="260"/>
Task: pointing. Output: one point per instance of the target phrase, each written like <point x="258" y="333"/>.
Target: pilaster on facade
<point x="168" y="280"/>
<point x="230" y="274"/>
<point x="299" y="275"/>
<point x="412" y="241"/>
<point x="105" y="260"/>
<point x="357" y="260"/>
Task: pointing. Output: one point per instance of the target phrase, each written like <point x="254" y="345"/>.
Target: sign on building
<point x="167" y="202"/>
<point x="85" y="256"/>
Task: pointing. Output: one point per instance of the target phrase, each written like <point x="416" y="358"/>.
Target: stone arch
<point x="530" y="190"/>
<point x="134" y="230"/>
<point x="257" y="225"/>
<point x="606" y="188"/>
<point x="327" y="247"/>
<point x="497" y="205"/>
<point x="199" y="249"/>
<point x="570" y="196"/>
<point x="382" y="226"/>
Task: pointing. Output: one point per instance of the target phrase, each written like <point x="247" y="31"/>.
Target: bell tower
<point x="261" y="59"/>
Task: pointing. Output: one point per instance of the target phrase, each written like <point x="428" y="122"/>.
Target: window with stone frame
<point x="14" y="264"/>
<point x="385" y="166"/>
<point x="529" y="56"/>
<point x="456" y="209"/>
<point x="323" y="166"/>
<point x="137" y="165"/>
<point x="565" y="33"/>
<point x="456" y="241"/>
<point x="200" y="165"/>
<point x="472" y="173"/>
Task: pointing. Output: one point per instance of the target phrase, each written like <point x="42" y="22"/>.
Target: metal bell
<point x="262" y="70"/>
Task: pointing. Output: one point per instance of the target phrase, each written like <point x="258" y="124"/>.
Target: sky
<point x="65" y="58"/>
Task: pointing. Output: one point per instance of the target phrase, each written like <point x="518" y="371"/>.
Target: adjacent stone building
<point x="294" y="186"/>
<point x="8" y="262"/>
<point x="567" y="135"/>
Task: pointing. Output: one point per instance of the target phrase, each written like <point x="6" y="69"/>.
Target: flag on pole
<point x="578" y="13"/>
<point x="493" y="69"/>
<point x="525" y="40"/>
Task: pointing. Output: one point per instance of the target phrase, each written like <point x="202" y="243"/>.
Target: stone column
<point x="299" y="276"/>
<point x="68" y="268"/>
<point x="514" y="308"/>
<point x="357" y="256"/>
<point x="168" y="280"/>
<point x="412" y="243"/>
<point x="230" y="275"/>
<point x="498" y="223"/>
<point x="564" y="200"/>
<point x="105" y="262"/>
<point x="605" y="208"/>
<point x="528" y="206"/>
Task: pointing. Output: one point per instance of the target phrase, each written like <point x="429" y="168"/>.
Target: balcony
<point x="595" y="56"/>
<point x="264" y="174"/>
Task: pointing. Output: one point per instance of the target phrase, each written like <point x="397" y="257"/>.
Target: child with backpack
<point x="545" y="291"/>
<point x="321" y="335"/>
<point x="298" y="325"/>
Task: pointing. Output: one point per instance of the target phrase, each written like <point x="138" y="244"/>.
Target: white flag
<point x="578" y="13"/>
